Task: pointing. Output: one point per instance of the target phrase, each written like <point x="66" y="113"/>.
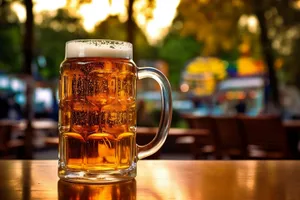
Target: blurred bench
<point x="9" y="148"/>
<point x="261" y="137"/>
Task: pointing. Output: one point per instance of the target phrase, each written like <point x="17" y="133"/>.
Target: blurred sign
<point x="212" y="65"/>
<point x="247" y="66"/>
<point x="200" y="76"/>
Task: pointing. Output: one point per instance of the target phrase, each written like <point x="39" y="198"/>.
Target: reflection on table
<point x="259" y="180"/>
<point x="123" y="190"/>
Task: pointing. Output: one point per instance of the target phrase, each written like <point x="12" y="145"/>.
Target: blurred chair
<point x="203" y="147"/>
<point x="9" y="148"/>
<point x="232" y="141"/>
<point x="266" y="137"/>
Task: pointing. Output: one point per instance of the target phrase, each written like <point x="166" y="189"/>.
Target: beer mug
<point x="97" y="113"/>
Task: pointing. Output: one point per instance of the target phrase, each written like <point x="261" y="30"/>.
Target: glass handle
<point x="166" y="114"/>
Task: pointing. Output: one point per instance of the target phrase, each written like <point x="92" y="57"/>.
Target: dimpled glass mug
<point x="97" y="113"/>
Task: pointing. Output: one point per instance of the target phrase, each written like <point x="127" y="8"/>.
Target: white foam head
<point x="98" y="48"/>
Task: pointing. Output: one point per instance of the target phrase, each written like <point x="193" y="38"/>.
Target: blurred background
<point x="223" y="58"/>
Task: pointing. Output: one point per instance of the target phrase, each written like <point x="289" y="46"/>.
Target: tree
<point x="204" y="28"/>
<point x="52" y="35"/>
<point x="113" y="29"/>
<point x="289" y="17"/>
<point x="213" y="23"/>
<point x="259" y="11"/>
<point x="284" y="30"/>
<point x="11" y="60"/>
<point x="28" y="46"/>
<point x="216" y="25"/>
<point x="175" y="45"/>
<point x="131" y="25"/>
<point x="130" y="22"/>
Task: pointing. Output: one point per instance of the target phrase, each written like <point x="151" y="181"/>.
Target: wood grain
<point x="159" y="180"/>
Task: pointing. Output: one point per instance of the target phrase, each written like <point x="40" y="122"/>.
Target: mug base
<point x="109" y="176"/>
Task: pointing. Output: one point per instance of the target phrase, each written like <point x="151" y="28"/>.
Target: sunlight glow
<point x="41" y="5"/>
<point x="118" y="7"/>
<point x="98" y="10"/>
<point x="250" y="22"/>
<point x="163" y="15"/>
<point x="94" y="12"/>
<point x="19" y="10"/>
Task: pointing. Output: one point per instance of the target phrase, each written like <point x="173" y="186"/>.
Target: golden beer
<point x="97" y="114"/>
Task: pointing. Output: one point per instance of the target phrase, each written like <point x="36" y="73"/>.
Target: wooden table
<point x="160" y="180"/>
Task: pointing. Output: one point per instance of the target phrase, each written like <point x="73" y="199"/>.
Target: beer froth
<point x="98" y="48"/>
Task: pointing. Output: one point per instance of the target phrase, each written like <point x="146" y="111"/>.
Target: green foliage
<point x="177" y="51"/>
<point x="10" y="49"/>
<point x="201" y="28"/>
<point x="283" y="31"/>
<point x="291" y="69"/>
<point x="10" y="39"/>
<point x="111" y="28"/>
<point x="213" y="23"/>
<point x="51" y="37"/>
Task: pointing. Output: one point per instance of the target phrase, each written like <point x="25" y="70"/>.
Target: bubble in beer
<point x="84" y="117"/>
